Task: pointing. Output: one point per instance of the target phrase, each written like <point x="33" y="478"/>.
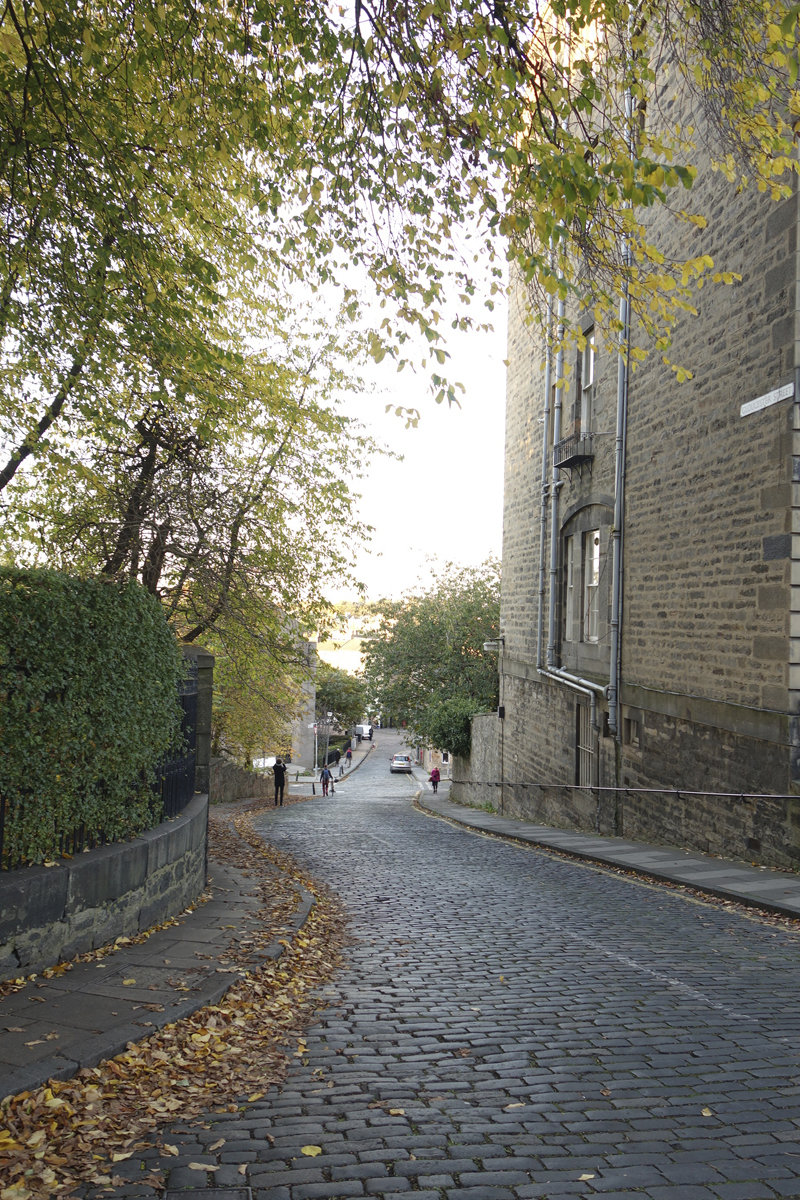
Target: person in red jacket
<point x="435" y="777"/>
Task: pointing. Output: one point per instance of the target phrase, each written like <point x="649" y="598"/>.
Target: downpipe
<point x="545" y="491"/>
<point x="557" y="481"/>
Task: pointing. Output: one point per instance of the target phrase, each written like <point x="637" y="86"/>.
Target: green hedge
<point x="88" y="705"/>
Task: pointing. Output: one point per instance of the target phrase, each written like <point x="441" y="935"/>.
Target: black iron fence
<point x="174" y="783"/>
<point x="173" y="787"/>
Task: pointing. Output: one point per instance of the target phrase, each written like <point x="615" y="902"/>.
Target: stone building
<point x="709" y="631"/>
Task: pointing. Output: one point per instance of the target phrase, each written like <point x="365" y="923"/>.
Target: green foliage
<point x="88" y="705"/>
<point x="447" y="724"/>
<point x="427" y="665"/>
<point x="342" y="694"/>
<point x="255" y="700"/>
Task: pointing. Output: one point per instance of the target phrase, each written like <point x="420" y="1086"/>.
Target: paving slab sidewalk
<point x="52" y="1028"/>
<point x="761" y="887"/>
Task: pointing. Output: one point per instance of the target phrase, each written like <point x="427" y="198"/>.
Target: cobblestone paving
<point x="515" y="1025"/>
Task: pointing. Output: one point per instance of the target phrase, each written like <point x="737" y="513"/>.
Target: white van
<point x="364" y="731"/>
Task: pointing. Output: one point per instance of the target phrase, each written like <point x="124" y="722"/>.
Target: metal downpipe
<point x="545" y="490"/>
<point x="551" y="615"/>
<point x="619" y="514"/>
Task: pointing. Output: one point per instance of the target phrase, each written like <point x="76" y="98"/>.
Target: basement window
<point x="631" y="733"/>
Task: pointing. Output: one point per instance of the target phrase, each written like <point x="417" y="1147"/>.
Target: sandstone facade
<point x="710" y="675"/>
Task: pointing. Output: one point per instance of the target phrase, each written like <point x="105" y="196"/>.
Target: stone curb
<point x="94" y="1050"/>
<point x="701" y="872"/>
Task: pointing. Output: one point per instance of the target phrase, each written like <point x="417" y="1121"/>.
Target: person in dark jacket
<point x="325" y="778"/>
<point x="279" y="771"/>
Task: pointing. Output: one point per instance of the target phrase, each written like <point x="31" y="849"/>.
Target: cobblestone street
<point x="512" y="1024"/>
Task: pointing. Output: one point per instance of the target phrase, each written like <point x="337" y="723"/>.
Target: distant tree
<point x="341" y="693"/>
<point x="427" y="665"/>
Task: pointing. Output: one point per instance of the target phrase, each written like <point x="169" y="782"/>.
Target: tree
<point x="427" y="665"/>
<point x="340" y="693"/>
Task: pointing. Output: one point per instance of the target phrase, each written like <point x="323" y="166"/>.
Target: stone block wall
<point x="50" y="914"/>
<point x="706" y="649"/>
<point x="230" y="782"/>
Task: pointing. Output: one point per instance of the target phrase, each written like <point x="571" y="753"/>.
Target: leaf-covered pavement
<point x="72" y="1135"/>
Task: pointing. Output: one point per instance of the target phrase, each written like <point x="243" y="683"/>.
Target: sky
<point x="444" y="501"/>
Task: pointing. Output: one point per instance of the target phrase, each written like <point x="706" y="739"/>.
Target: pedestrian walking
<point x="279" y="771"/>
<point x="435" y="777"/>
<point x="341" y="768"/>
<point x="349" y="757"/>
<point x="325" y="778"/>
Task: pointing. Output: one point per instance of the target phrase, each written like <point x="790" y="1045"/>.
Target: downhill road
<point x="540" y="1027"/>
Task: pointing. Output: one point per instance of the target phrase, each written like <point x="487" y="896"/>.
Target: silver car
<point x="401" y="762"/>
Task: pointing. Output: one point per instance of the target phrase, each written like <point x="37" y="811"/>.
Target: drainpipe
<point x="557" y="481"/>
<point x="623" y="369"/>
<point x="584" y="687"/>
<point x="548" y="369"/>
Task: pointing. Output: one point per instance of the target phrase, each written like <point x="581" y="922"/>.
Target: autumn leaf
<point x="311" y="1151"/>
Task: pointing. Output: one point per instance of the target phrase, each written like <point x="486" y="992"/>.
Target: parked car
<point x="401" y="762"/>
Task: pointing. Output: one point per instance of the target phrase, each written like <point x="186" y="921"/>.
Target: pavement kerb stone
<point x="94" y="1049"/>
<point x="492" y="826"/>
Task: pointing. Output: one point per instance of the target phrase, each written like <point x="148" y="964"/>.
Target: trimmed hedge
<point x="89" y="673"/>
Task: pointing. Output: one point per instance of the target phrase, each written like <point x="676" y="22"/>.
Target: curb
<point x="96" y="1049"/>
<point x="651" y="873"/>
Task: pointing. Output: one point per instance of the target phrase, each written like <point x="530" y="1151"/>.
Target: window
<point x="584" y="747"/>
<point x="587" y="383"/>
<point x="569" y="606"/>
<point x="631" y="733"/>
<point x="591" y="585"/>
<point x="445" y="757"/>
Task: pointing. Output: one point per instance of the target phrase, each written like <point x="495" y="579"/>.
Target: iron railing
<point x="573" y="450"/>
<point x="174" y="783"/>
<point x="173" y="787"/>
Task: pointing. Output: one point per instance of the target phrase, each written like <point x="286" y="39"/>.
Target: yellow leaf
<point x="311" y="1151"/>
<point x="202" y="1167"/>
<point x="121" y="1157"/>
<point x="15" y="1193"/>
<point x="508" y="1106"/>
<point x="243" y="1169"/>
<point x="35" y="1139"/>
<point x="216" y="1145"/>
<point x="255" y="1096"/>
<point x="128" y="982"/>
<point x="707" y="1112"/>
<point x="583" y="1178"/>
<point x="397" y="1112"/>
<point x="170" y="1149"/>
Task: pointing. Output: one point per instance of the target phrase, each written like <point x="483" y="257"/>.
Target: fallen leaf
<point x="16" y="1192"/>
<point x="707" y="1112"/>
<point x="216" y="1145"/>
<point x="311" y="1151"/>
<point x="397" y="1112"/>
<point x="14" y="1029"/>
<point x="508" y="1106"/>
<point x="121" y="1157"/>
<point x="243" y="1169"/>
<point x="128" y="982"/>
<point x="255" y="1096"/>
<point x="605" y="1092"/>
<point x="202" y="1167"/>
<point x="583" y="1178"/>
<point x="170" y="1149"/>
<point x="49" y="1037"/>
<point x="38" y="1042"/>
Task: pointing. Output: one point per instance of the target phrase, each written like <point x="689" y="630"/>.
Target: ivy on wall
<point x="88" y="705"/>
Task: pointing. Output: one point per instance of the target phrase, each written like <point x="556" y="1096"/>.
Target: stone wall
<point x="230" y="782"/>
<point x="474" y="777"/>
<point x="706" y="653"/>
<point x="50" y="914"/>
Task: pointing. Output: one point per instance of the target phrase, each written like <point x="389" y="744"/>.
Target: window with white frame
<point x="587" y="382"/>
<point x="569" y="603"/>
<point x="591" y="585"/>
<point x="584" y="747"/>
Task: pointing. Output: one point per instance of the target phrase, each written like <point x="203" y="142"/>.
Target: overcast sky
<point x="445" y="500"/>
